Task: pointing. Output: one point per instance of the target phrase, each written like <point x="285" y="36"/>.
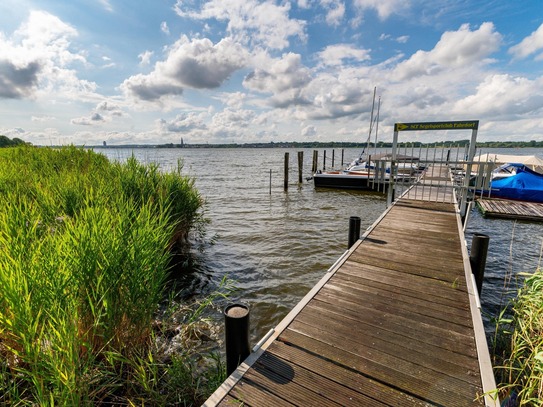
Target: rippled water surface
<point x="277" y="245"/>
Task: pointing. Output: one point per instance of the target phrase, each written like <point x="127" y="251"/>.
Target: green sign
<point x="460" y="125"/>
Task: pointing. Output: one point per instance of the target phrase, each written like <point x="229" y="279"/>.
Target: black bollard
<point x="236" y="331"/>
<point x="354" y="230"/>
<point x="477" y="258"/>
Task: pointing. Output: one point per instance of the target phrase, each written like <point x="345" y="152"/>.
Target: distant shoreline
<point x="461" y="143"/>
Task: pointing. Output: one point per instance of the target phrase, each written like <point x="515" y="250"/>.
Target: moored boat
<point x="373" y="173"/>
<point x="522" y="185"/>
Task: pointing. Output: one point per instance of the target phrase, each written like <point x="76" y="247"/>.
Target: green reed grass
<point x="521" y="373"/>
<point x="83" y="261"/>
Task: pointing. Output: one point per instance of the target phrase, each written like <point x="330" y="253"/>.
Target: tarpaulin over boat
<point x="526" y="185"/>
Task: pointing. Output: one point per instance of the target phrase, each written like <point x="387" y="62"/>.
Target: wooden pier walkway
<point x="395" y="322"/>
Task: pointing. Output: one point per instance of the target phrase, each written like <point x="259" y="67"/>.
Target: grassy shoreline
<point x="84" y="256"/>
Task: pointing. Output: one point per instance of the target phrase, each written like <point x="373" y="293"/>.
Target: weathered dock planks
<point x="393" y="323"/>
<point x="502" y="208"/>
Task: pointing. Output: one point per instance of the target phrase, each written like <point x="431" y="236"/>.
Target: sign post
<point x="472" y="125"/>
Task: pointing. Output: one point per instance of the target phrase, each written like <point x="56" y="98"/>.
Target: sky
<point x="244" y="71"/>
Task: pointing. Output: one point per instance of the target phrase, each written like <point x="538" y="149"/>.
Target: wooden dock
<point x="502" y="208"/>
<point x="395" y="322"/>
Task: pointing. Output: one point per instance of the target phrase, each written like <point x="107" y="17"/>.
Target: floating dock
<point x="395" y="322"/>
<point x="502" y="208"/>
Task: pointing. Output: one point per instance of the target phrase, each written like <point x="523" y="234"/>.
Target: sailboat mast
<point x="371" y="123"/>
<point x="377" y="123"/>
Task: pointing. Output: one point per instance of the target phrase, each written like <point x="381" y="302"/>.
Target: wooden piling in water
<point x="300" y="165"/>
<point x="333" y="157"/>
<point x="285" y="183"/>
<point x="315" y="161"/>
<point x="342" y="156"/>
<point x="324" y="160"/>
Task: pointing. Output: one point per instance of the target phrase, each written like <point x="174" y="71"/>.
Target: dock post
<point x="315" y="160"/>
<point x="333" y="157"/>
<point x="300" y="165"/>
<point x="477" y="258"/>
<point x="236" y="331"/>
<point x="342" y="156"/>
<point x="324" y="160"/>
<point x="285" y="184"/>
<point x="354" y="230"/>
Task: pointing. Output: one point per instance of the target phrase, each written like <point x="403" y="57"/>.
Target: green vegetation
<point x="520" y="343"/>
<point x="84" y="256"/>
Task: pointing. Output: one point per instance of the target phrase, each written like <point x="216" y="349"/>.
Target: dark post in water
<point x="236" y="331"/>
<point x="300" y="165"/>
<point x="315" y="161"/>
<point x="333" y="157"/>
<point x="354" y="230"/>
<point x="477" y="258"/>
<point x="286" y="172"/>
<point x="324" y="160"/>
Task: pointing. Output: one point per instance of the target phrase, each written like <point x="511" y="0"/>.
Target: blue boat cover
<point x="526" y="185"/>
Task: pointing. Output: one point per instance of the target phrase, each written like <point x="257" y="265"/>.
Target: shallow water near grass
<point x="276" y="245"/>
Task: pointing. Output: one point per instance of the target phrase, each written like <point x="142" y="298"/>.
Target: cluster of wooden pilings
<point x="314" y="166"/>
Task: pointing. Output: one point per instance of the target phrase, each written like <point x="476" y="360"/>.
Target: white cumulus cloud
<point x="529" y="45"/>
<point x="95" y="118"/>
<point x="455" y="49"/>
<point x="249" y="21"/>
<point x="145" y="57"/>
<point x="38" y="57"/>
<point x="384" y="8"/>
<point x="184" y="122"/>
<point x="335" y="11"/>
<point x="503" y="97"/>
<point x="339" y="53"/>
<point x="285" y="78"/>
<point x="197" y="64"/>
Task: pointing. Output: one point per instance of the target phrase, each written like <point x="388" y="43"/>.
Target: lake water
<point x="276" y="245"/>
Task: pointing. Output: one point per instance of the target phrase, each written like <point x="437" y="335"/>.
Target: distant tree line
<point x="7" y="142"/>
<point x="462" y="143"/>
<point x="511" y="144"/>
<point x="339" y="144"/>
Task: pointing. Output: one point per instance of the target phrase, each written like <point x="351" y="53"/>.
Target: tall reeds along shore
<point x="83" y="261"/>
<point x="521" y="346"/>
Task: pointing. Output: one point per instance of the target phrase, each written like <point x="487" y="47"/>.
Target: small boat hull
<point x="343" y="180"/>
